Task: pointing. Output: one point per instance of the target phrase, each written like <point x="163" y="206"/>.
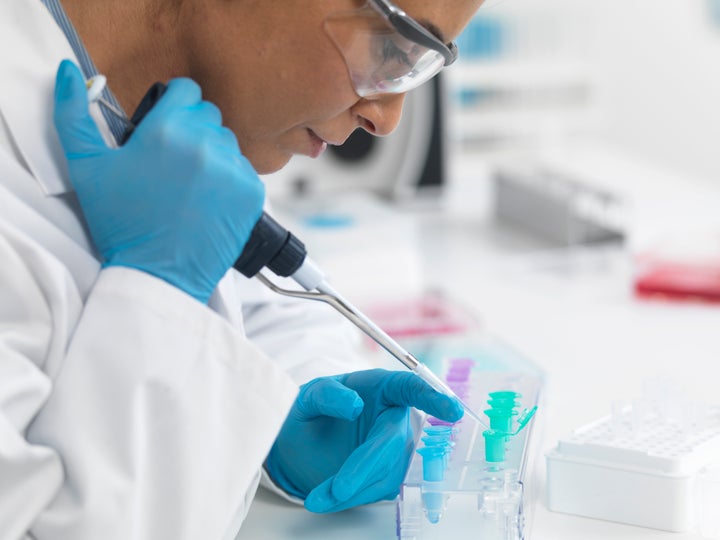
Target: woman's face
<point x="282" y="85"/>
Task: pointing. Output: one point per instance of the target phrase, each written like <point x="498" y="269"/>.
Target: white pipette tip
<point x="473" y="414"/>
<point x="433" y="380"/>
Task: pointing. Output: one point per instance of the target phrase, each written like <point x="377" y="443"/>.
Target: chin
<point x="269" y="164"/>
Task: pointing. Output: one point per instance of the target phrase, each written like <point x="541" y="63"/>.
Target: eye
<point x="392" y="53"/>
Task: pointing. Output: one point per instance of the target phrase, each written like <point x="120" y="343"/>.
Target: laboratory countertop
<point x="571" y="311"/>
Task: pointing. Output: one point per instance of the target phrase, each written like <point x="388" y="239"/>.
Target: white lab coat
<point x="128" y="410"/>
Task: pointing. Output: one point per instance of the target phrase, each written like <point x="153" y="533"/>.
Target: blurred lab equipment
<point x="558" y="207"/>
<point x="432" y="314"/>
<point x="678" y="281"/>
<point x="680" y="268"/>
<point x="520" y="81"/>
<point x="653" y="463"/>
<point x="714" y="11"/>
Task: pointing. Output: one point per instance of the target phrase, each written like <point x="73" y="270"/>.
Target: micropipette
<point x="328" y="295"/>
<point x="272" y="246"/>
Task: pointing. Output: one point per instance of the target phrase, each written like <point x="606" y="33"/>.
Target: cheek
<point x="319" y="85"/>
<point x="269" y="97"/>
<point x="297" y="98"/>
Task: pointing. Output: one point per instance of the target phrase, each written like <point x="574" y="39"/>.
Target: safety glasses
<point x="386" y="51"/>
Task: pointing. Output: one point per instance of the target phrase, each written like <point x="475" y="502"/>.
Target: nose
<point x="381" y="115"/>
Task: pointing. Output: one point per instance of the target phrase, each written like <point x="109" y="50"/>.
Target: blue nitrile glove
<point x="177" y="201"/>
<point x="348" y="440"/>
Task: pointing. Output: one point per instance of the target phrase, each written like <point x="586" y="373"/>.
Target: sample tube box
<point x="654" y="463"/>
<point x="466" y="480"/>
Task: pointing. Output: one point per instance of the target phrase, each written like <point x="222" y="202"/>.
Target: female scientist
<point x="145" y="386"/>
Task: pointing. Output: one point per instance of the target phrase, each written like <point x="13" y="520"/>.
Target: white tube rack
<point x="655" y="463"/>
<point x="475" y="498"/>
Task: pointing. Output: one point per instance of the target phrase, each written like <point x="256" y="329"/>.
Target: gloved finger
<point x="402" y="388"/>
<point x="180" y="94"/>
<point x="230" y="139"/>
<point x="78" y="133"/>
<point x="321" y="500"/>
<point x="386" y="449"/>
<point x="214" y="141"/>
<point x="223" y="139"/>
<point x="375" y="469"/>
<point x="326" y="396"/>
<point x="185" y="106"/>
<point x="240" y="171"/>
<point x="208" y="112"/>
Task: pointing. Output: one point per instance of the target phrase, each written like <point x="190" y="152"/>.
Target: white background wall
<point x="660" y="64"/>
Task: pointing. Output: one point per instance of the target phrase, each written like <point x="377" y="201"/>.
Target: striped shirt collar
<point x="117" y="127"/>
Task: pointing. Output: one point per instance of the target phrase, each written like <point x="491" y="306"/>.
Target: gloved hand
<point x="348" y="440"/>
<point x="177" y="201"/>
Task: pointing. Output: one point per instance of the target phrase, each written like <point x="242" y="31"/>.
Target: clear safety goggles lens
<point x="380" y="60"/>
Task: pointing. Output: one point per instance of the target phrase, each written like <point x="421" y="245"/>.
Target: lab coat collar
<point x="33" y="47"/>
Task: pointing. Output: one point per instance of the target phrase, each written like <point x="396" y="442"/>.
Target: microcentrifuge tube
<point x="494" y="445"/>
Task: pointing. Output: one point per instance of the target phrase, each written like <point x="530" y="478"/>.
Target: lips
<point x="317" y="145"/>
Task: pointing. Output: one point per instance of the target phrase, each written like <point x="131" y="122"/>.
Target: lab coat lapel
<point x="33" y="47"/>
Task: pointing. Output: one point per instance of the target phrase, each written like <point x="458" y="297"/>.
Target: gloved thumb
<point x="79" y="135"/>
<point x="327" y="396"/>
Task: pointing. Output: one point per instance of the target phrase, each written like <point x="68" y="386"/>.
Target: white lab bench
<point x="571" y="311"/>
